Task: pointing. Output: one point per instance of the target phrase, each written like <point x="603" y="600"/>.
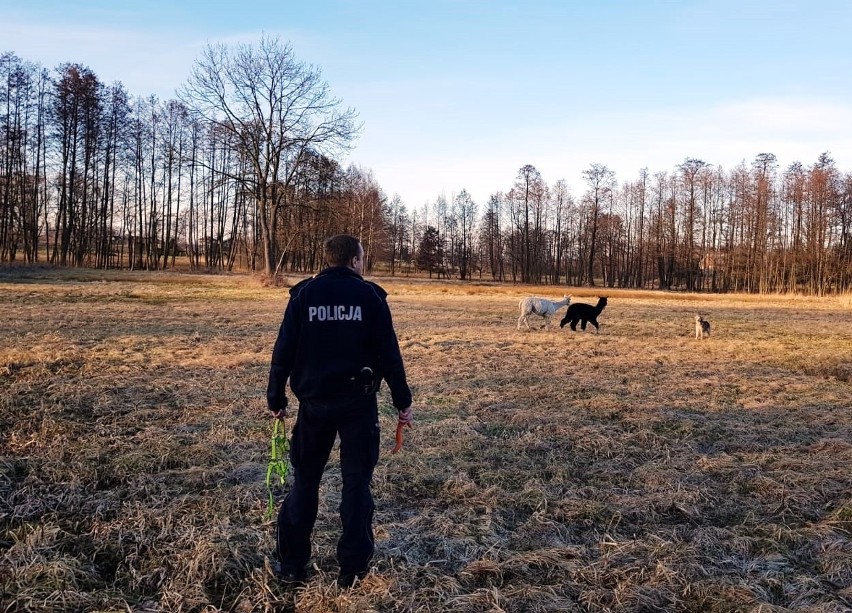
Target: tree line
<point x="239" y="171"/>
<point x="750" y="229"/>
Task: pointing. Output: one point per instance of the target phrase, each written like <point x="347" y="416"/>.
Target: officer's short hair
<point x="340" y="249"/>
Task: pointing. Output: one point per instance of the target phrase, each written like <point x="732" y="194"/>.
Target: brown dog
<point x="702" y="327"/>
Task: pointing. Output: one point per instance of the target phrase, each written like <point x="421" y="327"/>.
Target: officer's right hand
<point x="406" y="416"/>
<point x="280" y="414"/>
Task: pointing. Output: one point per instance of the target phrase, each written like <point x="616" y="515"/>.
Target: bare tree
<point x="690" y="172"/>
<point x="16" y="79"/>
<point x="601" y="180"/>
<point x="76" y="120"/>
<point x="763" y="168"/>
<point x="562" y="203"/>
<point x="528" y="197"/>
<point x="843" y="252"/>
<point x="466" y="214"/>
<point x="491" y="236"/>
<point x="275" y="108"/>
<point x="398" y="224"/>
<point x="639" y="195"/>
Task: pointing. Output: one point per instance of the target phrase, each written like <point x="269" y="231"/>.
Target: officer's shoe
<point x="293" y="579"/>
<point x="290" y="578"/>
<point x="347" y="580"/>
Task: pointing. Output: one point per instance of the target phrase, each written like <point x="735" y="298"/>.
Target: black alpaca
<point x="584" y="313"/>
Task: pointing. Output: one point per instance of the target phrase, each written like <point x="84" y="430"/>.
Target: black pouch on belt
<point x="366" y="381"/>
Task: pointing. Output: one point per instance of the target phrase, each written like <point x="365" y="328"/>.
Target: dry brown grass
<point x="635" y="470"/>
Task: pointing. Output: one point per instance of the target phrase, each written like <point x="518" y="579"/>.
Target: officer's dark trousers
<point x="310" y="446"/>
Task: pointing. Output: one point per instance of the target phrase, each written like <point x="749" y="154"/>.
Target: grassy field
<point x="633" y="470"/>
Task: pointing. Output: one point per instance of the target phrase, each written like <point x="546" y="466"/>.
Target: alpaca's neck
<point x="561" y="303"/>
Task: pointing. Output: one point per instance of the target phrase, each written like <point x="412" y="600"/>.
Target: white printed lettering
<point x="336" y="312"/>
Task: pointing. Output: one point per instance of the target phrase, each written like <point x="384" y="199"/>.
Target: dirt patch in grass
<point x="633" y="470"/>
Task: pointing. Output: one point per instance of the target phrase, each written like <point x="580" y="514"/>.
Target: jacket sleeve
<point x="390" y="360"/>
<point x="283" y="354"/>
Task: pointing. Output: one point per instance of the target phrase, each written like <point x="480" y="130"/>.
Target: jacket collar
<point x="331" y="271"/>
<point x="342" y="271"/>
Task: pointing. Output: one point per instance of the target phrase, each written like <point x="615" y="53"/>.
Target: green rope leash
<point x="279" y="464"/>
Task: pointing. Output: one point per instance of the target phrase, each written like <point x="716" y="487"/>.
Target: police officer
<point x="336" y="343"/>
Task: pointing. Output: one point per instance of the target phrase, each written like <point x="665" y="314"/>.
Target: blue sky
<point x="459" y="94"/>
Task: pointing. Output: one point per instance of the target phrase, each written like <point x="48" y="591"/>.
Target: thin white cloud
<point x="723" y="135"/>
<point x="146" y="62"/>
<point x="812" y="119"/>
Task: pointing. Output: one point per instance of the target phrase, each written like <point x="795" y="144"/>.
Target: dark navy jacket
<point x="335" y="324"/>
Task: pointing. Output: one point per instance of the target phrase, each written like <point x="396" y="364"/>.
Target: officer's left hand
<point x="282" y="414"/>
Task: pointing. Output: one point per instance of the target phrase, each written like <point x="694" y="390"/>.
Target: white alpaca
<point x="533" y="305"/>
